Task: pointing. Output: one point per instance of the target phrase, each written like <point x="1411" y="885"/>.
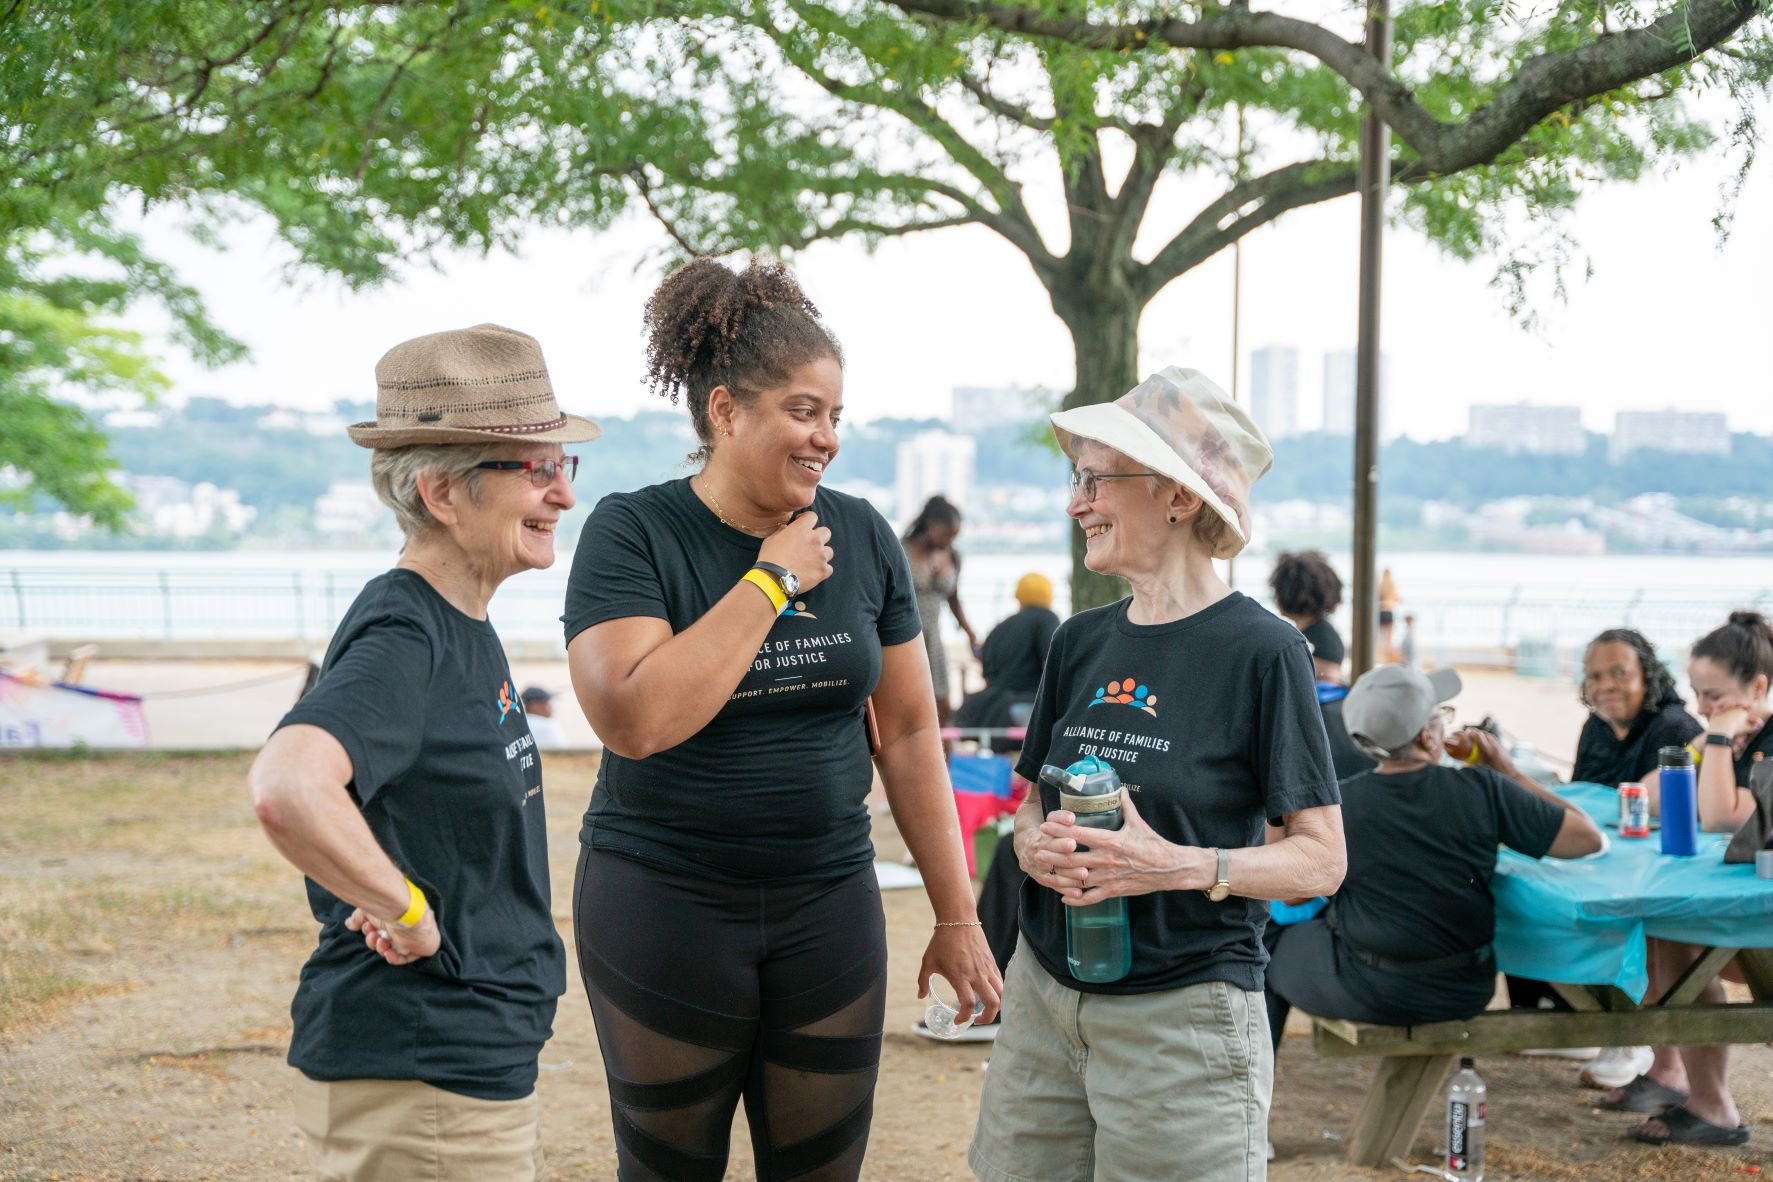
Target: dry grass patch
<point x="95" y="866"/>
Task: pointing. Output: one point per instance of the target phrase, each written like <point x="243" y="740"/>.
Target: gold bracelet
<point x="960" y="923"/>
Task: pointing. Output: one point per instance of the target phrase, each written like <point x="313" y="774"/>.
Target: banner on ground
<point x="54" y="714"/>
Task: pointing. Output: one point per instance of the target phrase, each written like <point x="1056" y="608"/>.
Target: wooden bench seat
<point x="1415" y="1060"/>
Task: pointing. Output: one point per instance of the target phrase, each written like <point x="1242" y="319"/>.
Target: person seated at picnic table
<point x="1407" y="939"/>
<point x="1013" y="655"/>
<point x="1634" y="712"/>
<point x="1730" y="670"/>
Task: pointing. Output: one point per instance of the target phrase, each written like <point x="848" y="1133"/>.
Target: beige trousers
<point x="383" y="1130"/>
<point x="1151" y="1087"/>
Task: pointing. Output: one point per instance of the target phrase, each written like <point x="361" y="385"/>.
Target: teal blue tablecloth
<point x="1585" y="921"/>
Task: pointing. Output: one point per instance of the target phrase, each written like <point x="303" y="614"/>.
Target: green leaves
<point x="374" y="132"/>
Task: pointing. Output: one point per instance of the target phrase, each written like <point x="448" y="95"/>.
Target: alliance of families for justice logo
<point x="1126" y="692"/>
<point x="798" y="608"/>
<point x="507" y="703"/>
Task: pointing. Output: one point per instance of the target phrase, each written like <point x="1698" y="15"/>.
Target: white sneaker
<point x="1617" y="1066"/>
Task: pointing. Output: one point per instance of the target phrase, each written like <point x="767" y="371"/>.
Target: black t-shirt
<point x="1604" y="758"/>
<point x="450" y="782"/>
<point x="1761" y="744"/>
<point x="1325" y="641"/>
<point x="1421" y="853"/>
<point x="1212" y="722"/>
<point x="1015" y="651"/>
<point x="775" y="786"/>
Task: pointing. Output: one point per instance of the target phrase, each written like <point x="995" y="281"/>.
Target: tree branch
<point x="1011" y="219"/>
<point x="1243" y="208"/>
<point x="638" y="176"/>
<point x="1541" y="85"/>
<point x="1014" y="112"/>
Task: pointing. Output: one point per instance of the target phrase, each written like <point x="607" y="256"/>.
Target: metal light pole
<point x="1375" y="170"/>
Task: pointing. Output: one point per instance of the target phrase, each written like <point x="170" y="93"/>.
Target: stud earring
<point x="1172" y="519"/>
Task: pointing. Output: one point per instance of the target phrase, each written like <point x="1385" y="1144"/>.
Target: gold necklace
<point x="714" y="503"/>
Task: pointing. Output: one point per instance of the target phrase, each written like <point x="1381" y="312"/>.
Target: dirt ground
<point x="150" y="940"/>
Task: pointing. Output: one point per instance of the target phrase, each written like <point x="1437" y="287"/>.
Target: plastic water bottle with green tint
<point x="1098" y="943"/>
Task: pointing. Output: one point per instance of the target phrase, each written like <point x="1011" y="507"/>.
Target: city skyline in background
<point x="1667" y="320"/>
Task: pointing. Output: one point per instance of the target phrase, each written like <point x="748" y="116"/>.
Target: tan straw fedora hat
<point x="469" y="385"/>
<point x="1178" y="423"/>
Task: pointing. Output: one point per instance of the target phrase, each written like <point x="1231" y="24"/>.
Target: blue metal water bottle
<point x="1098" y="944"/>
<point x="1680" y="801"/>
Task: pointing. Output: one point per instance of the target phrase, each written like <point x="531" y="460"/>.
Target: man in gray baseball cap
<point x="1407" y="938"/>
<point x="1390" y="705"/>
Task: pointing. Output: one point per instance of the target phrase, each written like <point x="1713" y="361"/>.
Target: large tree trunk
<point x="1105" y="335"/>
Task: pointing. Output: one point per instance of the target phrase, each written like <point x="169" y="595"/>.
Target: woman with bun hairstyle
<point x="725" y="634"/>
<point x="1730" y="670"/>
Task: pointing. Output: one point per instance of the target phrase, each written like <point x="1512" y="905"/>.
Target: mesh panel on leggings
<point x="805" y="1066"/>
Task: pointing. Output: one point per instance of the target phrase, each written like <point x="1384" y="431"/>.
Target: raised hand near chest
<point x="804" y="547"/>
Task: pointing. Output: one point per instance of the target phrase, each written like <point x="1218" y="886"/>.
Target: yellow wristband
<point x="763" y="582"/>
<point x="415" y="910"/>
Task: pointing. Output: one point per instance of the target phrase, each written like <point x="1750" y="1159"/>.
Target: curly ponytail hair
<point x="1742" y="648"/>
<point x="1305" y="584"/>
<point x="710" y="326"/>
<point x="1659" y="683"/>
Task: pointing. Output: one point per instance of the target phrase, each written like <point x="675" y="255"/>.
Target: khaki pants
<point x="1151" y="1087"/>
<point x="384" y="1130"/>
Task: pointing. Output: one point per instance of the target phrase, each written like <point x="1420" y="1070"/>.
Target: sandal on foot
<point x="1686" y="1129"/>
<point x="1644" y="1094"/>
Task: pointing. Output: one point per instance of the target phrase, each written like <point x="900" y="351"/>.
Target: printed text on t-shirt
<point x="1102" y="740"/>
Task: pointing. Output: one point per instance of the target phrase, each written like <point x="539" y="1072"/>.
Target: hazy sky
<point x="1668" y="318"/>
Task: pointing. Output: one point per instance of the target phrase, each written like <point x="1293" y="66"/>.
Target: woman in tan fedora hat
<point x="406" y="786"/>
<point x="1203" y="703"/>
<point x="725" y="633"/>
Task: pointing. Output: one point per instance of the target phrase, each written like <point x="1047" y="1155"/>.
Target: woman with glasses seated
<point x="407" y="787"/>
<point x="1202" y="701"/>
<point x="725" y="633"/>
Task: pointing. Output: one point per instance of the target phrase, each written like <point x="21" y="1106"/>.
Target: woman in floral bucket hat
<point x="406" y="786"/>
<point x="1203" y="702"/>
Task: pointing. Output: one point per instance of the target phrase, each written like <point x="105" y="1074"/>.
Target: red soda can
<point x="1634" y="811"/>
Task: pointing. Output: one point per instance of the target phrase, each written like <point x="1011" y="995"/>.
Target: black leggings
<point x="704" y="992"/>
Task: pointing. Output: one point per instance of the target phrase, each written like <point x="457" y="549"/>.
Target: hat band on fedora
<point x="527" y="428"/>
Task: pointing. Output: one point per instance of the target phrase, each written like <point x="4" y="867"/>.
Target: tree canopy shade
<point x="373" y="132"/>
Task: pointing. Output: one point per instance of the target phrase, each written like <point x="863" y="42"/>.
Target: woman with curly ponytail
<point x="726" y="634"/>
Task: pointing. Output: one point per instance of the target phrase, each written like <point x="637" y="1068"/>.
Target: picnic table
<point x="1582" y="925"/>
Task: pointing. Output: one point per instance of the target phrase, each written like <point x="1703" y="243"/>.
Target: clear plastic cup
<point x="943" y="1016"/>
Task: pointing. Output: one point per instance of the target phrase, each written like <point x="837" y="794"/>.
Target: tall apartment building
<point x="1339" y="393"/>
<point x="1274" y="391"/>
<point x="930" y="463"/>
